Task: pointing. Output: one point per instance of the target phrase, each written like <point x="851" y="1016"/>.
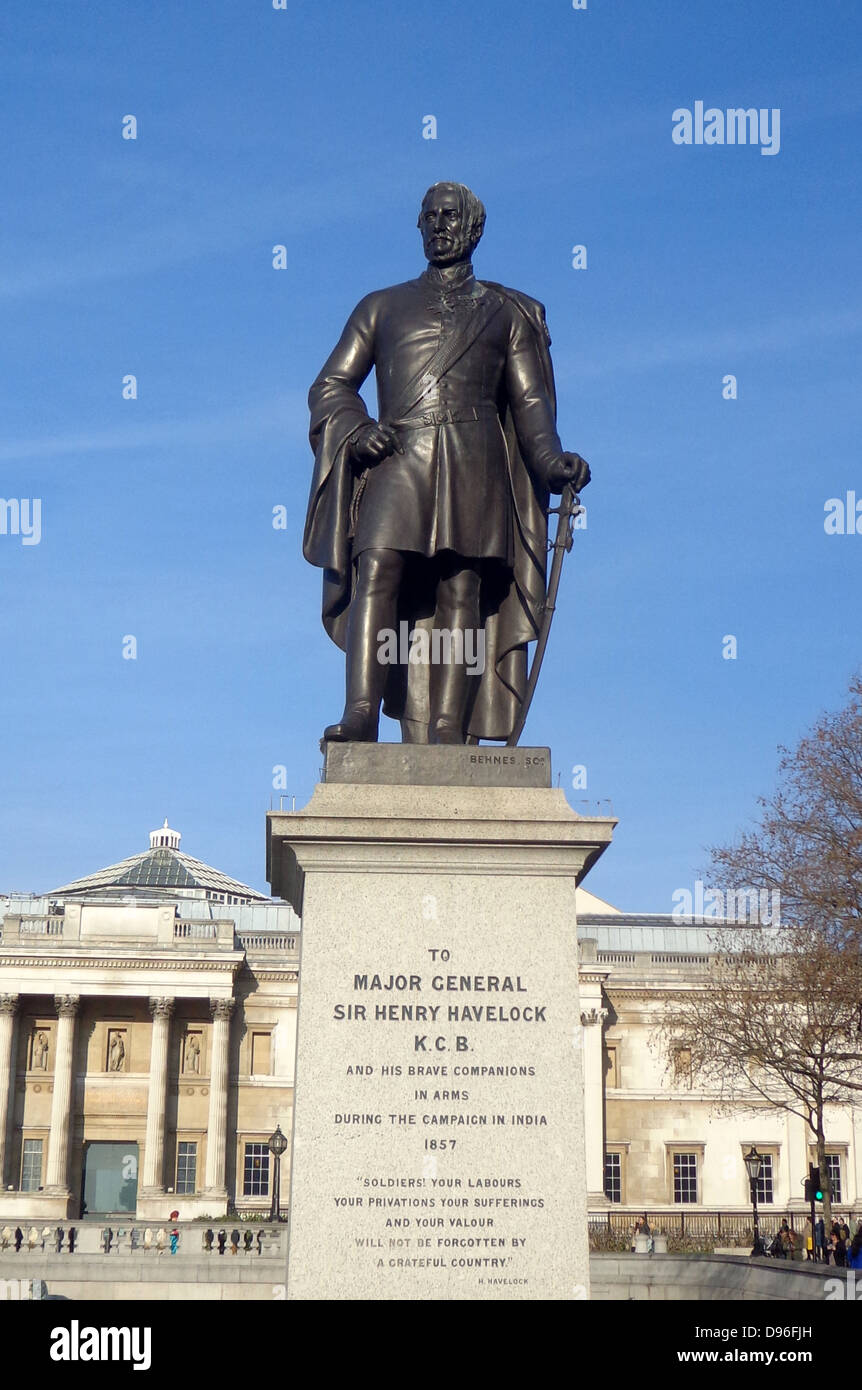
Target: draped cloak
<point x="512" y="601"/>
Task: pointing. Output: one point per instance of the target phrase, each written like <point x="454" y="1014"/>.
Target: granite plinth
<point x="436" y="765"/>
<point x="438" y="1141"/>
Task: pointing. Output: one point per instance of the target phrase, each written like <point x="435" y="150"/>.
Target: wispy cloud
<point x="283" y="416"/>
<point x="785" y="333"/>
<point x="181" y="222"/>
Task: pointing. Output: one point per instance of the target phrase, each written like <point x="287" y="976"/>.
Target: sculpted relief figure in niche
<point x="192" y="1056"/>
<point x="39" y="1051"/>
<point x="116" y="1050"/>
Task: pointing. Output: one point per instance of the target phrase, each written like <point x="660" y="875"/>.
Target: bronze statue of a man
<point x="432" y="520"/>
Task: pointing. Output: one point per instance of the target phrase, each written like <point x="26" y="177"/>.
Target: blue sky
<point x="303" y="127"/>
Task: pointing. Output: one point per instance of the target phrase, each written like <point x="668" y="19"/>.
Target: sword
<point x="570" y="506"/>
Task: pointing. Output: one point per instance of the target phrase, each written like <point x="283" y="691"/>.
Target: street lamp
<point x="276" y="1144"/>
<point x="754" y="1162"/>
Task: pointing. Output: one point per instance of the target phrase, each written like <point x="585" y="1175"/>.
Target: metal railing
<point x="725" y="1226"/>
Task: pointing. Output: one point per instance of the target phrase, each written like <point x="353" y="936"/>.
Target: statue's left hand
<point x="568" y="468"/>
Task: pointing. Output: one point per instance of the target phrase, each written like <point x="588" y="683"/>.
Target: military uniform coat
<point x="471" y="479"/>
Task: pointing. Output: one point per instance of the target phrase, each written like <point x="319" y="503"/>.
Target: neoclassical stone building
<point x="147" y="1037"/>
<point x="667" y="1146"/>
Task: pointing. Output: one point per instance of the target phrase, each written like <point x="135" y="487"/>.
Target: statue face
<point x="444" y="237"/>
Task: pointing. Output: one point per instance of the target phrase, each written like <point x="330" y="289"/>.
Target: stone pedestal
<point x="438" y="1145"/>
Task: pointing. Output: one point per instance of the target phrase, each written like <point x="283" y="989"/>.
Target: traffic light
<point x="813" y="1186"/>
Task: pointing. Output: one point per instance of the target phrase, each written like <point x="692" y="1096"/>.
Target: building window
<point x="685" y="1177"/>
<point x="765" y="1183"/>
<point x="614" y="1177"/>
<point x="261" y="1054"/>
<point x="833" y="1170"/>
<point x="187" y="1166"/>
<point x="31" y="1165"/>
<point x="255" y="1180"/>
<point x="612" y="1065"/>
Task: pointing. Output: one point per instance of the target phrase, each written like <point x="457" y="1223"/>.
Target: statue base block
<point x="438" y="1139"/>
<point x="436" y="765"/>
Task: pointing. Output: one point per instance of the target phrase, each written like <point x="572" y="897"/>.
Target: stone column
<point x="8" y="1007"/>
<point x="219" y="1079"/>
<point x="592" y="1023"/>
<point x="57" y="1173"/>
<point x="591" y="982"/>
<point x="153" y="1170"/>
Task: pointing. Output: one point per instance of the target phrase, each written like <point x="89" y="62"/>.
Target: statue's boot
<point x="361" y="717"/>
<point x="452" y="685"/>
<point x="453" y="691"/>
<point x="371" y="612"/>
<point x="357" y="724"/>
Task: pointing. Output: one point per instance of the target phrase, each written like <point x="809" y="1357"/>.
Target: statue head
<point x="451" y="220"/>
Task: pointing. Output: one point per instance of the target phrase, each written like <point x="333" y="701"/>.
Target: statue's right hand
<point x="375" y="443"/>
